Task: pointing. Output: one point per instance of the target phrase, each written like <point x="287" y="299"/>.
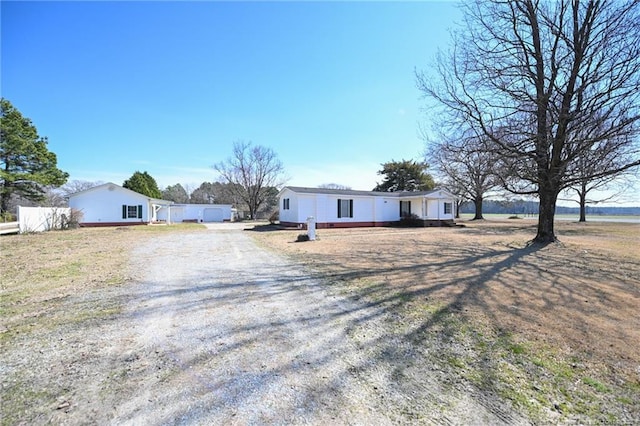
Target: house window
<point x="447" y="208"/>
<point x="405" y="208"/>
<point x="345" y="208"/>
<point x="131" y="212"/>
<point x="285" y="204"/>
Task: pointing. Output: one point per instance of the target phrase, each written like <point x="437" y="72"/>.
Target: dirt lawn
<point x="555" y="329"/>
<point x="157" y="325"/>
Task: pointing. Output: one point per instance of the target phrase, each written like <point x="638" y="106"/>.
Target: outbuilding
<point x="110" y="205"/>
<point x="196" y="213"/>
<point x="350" y="208"/>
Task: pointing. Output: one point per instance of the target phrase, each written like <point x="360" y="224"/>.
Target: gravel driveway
<point x="222" y="331"/>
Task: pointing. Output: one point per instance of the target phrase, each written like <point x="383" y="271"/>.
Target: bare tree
<point x="59" y="196"/>
<point x="465" y="163"/>
<point x="591" y="169"/>
<point x="333" y="186"/>
<point x="252" y="171"/>
<point x="74" y="186"/>
<point x="531" y="75"/>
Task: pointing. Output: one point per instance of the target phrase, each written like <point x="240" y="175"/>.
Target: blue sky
<point x="167" y="87"/>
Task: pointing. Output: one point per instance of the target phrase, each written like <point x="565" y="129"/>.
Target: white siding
<point x="290" y="214"/>
<point x="432" y="209"/>
<point x="366" y="208"/>
<point x="197" y="212"/>
<point x="390" y="209"/>
<point x="321" y="209"/>
<point x="212" y="214"/>
<point x="177" y="214"/>
<point x="306" y="206"/>
<point x="104" y="204"/>
<point x="363" y="208"/>
<point x="435" y="209"/>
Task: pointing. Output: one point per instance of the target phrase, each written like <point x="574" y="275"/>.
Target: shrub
<point x="7" y="217"/>
<point x="411" y="220"/>
<point x="302" y="237"/>
<point x="275" y="216"/>
<point x="74" y="219"/>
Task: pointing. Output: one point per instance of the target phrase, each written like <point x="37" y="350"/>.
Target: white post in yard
<point x="311" y="228"/>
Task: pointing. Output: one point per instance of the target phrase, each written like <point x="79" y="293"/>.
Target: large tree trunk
<point x="546" y="216"/>
<point x="583" y="203"/>
<point x="477" y="201"/>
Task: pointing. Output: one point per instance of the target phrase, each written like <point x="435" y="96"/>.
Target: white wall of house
<point x="289" y="214"/>
<point x="307" y="206"/>
<point x="321" y="208"/>
<point x="387" y="209"/>
<point x="103" y="204"/>
<point x="363" y="209"/>
<point x="177" y="213"/>
<point x="436" y="207"/>
<point x="301" y="206"/>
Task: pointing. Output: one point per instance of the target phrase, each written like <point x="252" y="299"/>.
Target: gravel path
<point x="224" y="332"/>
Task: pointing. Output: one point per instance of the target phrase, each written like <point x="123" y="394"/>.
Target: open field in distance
<point x="558" y="217"/>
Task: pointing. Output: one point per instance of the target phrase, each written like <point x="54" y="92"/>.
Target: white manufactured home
<point x="348" y="208"/>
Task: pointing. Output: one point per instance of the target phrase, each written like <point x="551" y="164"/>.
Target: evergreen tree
<point x="175" y="193"/>
<point x="405" y="175"/>
<point x="27" y="167"/>
<point x="143" y="183"/>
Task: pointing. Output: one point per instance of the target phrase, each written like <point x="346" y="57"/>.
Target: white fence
<point x="39" y="219"/>
<point x="9" y="228"/>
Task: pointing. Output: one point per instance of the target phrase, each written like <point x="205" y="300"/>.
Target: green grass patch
<point x="598" y="386"/>
<point x="456" y="362"/>
<point x="516" y="349"/>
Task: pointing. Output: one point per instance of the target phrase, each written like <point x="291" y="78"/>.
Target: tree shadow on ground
<point x="407" y="331"/>
<point x="501" y="301"/>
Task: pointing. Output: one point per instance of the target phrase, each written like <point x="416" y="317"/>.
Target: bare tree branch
<point x="548" y="84"/>
<point x="253" y="171"/>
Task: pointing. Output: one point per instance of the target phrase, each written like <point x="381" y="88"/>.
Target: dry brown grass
<point x="555" y="329"/>
<point x="60" y="292"/>
<point x="43" y="275"/>
<point x="561" y="323"/>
